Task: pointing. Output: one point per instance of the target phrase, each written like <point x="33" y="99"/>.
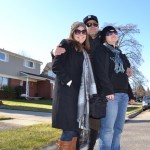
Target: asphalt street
<point x="136" y="133"/>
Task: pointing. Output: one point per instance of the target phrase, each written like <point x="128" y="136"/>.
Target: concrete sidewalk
<point x="22" y="118"/>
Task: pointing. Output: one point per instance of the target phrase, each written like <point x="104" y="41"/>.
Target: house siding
<point x="15" y="65"/>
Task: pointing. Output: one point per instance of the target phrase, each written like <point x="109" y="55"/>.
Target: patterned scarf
<point x="87" y="88"/>
<point x="117" y="60"/>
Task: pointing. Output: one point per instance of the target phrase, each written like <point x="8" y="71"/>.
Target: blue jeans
<point x="112" y="124"/>
<point x="68" y="135"/>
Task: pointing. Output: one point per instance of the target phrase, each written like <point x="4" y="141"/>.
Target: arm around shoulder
<point x="58" y="65"/>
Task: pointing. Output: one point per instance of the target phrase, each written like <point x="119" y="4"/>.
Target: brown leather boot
<point x="67" y="145"/>
<point x="74" y="143"/>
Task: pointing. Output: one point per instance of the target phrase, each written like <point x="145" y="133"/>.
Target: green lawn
<point x="31" y="137"/>
<point x="28" y="138"/>
<point x="30" y="105"/>
<point x="133" y="109"/>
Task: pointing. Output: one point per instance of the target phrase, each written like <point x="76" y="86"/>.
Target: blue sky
<point x="34" y="27"/>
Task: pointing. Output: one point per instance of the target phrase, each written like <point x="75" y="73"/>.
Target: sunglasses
<point x="77" y="32"/>
<point x="111" y="33"/>
<point x="92" y="24"/>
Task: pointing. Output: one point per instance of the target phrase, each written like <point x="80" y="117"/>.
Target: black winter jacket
<point x="108" y="82"/>
<point x="67" y="66"/>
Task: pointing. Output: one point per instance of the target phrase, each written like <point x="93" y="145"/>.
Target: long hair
<point x="78" y="46"/>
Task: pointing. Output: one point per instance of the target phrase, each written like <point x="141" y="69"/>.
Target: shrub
<point x="8" y="91"/>
<point x="19" y="90"/>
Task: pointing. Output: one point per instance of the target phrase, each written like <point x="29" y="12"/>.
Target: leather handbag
<point x="97" y="106"/>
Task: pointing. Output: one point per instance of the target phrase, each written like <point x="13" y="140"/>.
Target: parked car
<point x="146" y="102"/>
<point x="138" y="100"/>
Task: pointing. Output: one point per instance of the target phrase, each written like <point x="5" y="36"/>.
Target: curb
<point x="133" y="115"/>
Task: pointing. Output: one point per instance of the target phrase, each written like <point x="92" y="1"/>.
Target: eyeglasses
<point x="111" y="33"/>
<point x="77" y="32"/>
<point x="92" y="24"/>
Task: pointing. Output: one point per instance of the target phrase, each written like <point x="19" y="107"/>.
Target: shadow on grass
<point x="5" y="118"/>
<point x="25" y="108"/>
<point x="42" y="101"/>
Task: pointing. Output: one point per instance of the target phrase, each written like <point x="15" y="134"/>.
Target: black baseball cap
<point x="90" y="17"/>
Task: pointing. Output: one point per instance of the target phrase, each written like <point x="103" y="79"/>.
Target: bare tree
<point x="140" y="91"/>
<point x="148" y="91"/>
<point x="132" y="48"/>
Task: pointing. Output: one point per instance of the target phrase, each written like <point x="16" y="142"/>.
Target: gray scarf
<point x="117" y="60"/>
<point x="87" y="88"/>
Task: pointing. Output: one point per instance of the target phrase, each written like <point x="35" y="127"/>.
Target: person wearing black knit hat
<point x="105" y="31"/>
<point x="110" y="71"/>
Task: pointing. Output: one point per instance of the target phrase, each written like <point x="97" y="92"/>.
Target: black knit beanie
<point x="104" y="31"/>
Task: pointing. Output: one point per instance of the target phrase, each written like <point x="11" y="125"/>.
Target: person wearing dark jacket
<point x="110" y="72"/>
<point x="73" y="85"/>
<point x="92" y="26"/>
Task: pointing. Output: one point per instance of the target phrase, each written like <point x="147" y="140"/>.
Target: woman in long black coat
<point x="68" y="69"/>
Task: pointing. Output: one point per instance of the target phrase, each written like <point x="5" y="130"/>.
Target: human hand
<point x="129" y="72"/>
<point x="131" y="102"/>
<point x="110" y="97"/>
<point x="59" y="50"/>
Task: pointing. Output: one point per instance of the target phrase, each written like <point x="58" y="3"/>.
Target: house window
<point x="3" y="82"/>
<point x="51" y="74"/>
<point x="29" y="64"/>
<point x="3" y="57"/>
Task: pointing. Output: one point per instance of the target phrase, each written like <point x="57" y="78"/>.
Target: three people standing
<point x="110" y="66"/>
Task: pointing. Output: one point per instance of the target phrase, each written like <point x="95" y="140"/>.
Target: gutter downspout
<point x="27" y="88"/>
<point x="27" y="85"/>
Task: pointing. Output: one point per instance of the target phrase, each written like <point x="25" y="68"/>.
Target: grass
<point x="30" y="105"/>
<point x="131" y="110"/>
<point x="28" y="138"/>
<point x="4" y="118"/>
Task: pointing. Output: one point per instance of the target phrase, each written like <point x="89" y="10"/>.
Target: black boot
<point x="92" y="139"/>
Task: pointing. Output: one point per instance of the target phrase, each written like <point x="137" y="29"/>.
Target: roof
<point x="20" y="56"/>
<point x="35" y="76"/>
<point x="46" y="68"/>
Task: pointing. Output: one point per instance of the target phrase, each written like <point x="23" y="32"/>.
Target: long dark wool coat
<point x="67" y="66"/>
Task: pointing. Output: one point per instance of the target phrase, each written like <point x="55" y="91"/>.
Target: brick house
<point x="18" y="70"/>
